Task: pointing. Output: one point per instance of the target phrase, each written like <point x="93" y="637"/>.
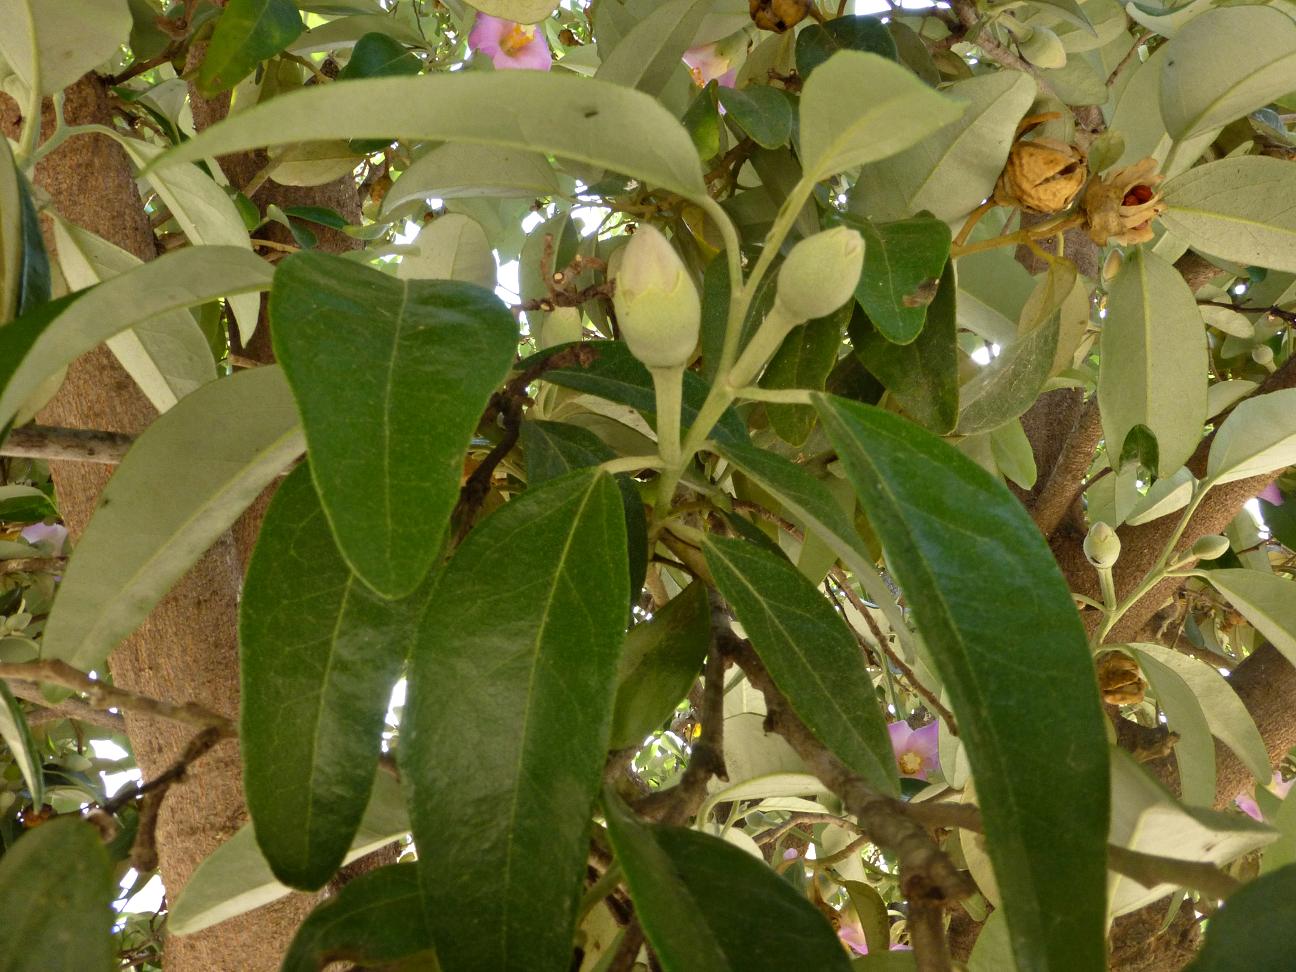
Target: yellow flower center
<point x="911" y="764"/>
<point x="696" y="74"/>
<point x="516" y="39"/>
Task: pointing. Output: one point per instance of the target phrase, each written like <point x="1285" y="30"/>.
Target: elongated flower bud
<point x="658" y="310"/>
<point x="560" y="326"/>
<point x="820" y="273"/>
<point x="1102" y="546"/>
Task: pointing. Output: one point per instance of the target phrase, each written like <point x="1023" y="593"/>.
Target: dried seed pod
<point x="1042" y="175"/>
<point x="778" y="15"/>
<point x="1119" y="679"/>
<point x="1120" y="207"/>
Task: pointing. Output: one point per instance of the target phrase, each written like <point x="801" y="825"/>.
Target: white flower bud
<point x="657" y="306"/>
<point x="820" y="273"/>
<point x="1044" y="49"/>
<point x="1262" y="355"/>
<point x="562" y="325"/>
<point x="1101" y="546"/>
<point x="1211" y="547"/>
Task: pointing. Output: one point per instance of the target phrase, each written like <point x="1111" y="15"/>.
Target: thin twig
<point x="1124" y="62"/>
<point x="1273" y="310"/>
<point x="67" y="709"/>
<point x="100" y="695"/>
<point x="32" y="565"/>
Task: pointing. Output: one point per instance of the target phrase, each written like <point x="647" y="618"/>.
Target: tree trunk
<point x="187" y="649"/>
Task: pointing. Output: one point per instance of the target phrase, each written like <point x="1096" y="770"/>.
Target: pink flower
<point x="509" y="44"/>
<point x="852" y="936"/>
<point x="1279" y="787"/>
<point x="1271" y="494"/>
<point x="53" y="533"/>
<point x="706" y="63"/>
<point x="915" y="749"/>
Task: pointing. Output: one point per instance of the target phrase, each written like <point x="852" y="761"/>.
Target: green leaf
<point x="183" y="483"/>
<point x="1258" y="437"/>
<point x="1268" y="601"/>
<point x="75" y="36"/>
<point x="375" y="919"/>
<point x="1229" y="720"/>
<point x="903" y="262"/>
<point x="55" y="889"/>
<point x="1006" y="387"/>
<point x="451" y="247"/>
<point x="457" y="170"/>
<point x="236" y="877"/>
<point x="954" y="169"/>
<point x="702" y="121"/>
<point x="818" y="42"/>
<point x="659" y="663"/>
<point x="12" y="240"/>
<point x="555" y="448"/>
<point x="33" y="270"/>
<point x="648" y="56"/>
<point x="762" y="112"/>
<point x="17" y="736"/>
<point x="167" y="355"/>
<point x="1256" y="929"/>
<point x="1185" y="715"/>
<point x="860" y="108"/>
<point x="370" y="358"/>
<point x="520" y="641"/>
<point x="25" y="504"/>
<point x="378" y="55"/>
<point x="803" y="360"/>
<point x="1241" y="209"/>
<point x="618" y="376"/>
<point x="1012" y="453"/>
<point x="707" y="906"/>
<point x="585" y="119"/>
<point x="811" y="654"/>
<point x="319" y="653"/>
<point x="522" y="11"/>
<point x="1003" y="634"/>
<point x="1224" y="64"/>
<point x="247" y="33"/>
<point x="922" y="376"/>
<point x="1153" y="364"/>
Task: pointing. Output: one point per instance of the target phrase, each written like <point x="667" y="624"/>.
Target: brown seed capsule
<point x="778" y="15"/>
<point x="1120" y="207"/>
<point x="1042" y="175"/>
<point x="1119" y="679"/>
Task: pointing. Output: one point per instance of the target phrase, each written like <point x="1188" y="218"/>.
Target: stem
<point x="625" y="464"/>
<point x="778" y="324"/>
<point x="783" y="396"/>
<point x="30" y="135"/>
<point x="1155" y="575"/>
<point x="601" y="888"/>
<point x="669" y="385"/>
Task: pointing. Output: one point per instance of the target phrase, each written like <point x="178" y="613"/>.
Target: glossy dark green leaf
<point x="804" y="360"/>
<point x="147" y="39"/>
<point x="55" y="888"/>
<point x="810" y="653"/>
<point x="903" y="262"/>
<point x="660" y="661"/>
<point x="1281" y="520"/>
<point x="320" y="652"/>
<point x="25" y="504"/>
<point x="707" y="906"/>
<point x="715" y="309"/>
<point x="377" y="918"/>
<point x="818" y="42"/>
<point x="247" y="33"/>
<point x="761" y="111"/>
<point x="922" y="376"/>
<point x="702" y="121"/>
<point x="379" y="56"/>
<point x="615" y="374"/>
<point x="519" y="648"/>
<point x="1002" y="631"/>
<point x="16" y="735"/>
<point x="1256" y="929"/>
<point x="391" y="377"/>
<point x="34" y="271"/>
<point x="555" y="448"/>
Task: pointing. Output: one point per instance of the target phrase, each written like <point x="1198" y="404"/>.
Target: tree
<point x="796" y="465"/>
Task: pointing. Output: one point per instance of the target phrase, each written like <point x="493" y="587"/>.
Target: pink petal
<point x="900" y="733"/>
<point x="486" y="34"/>
<point x="535" y="56"/>
<point x="925" y="742"/>
<point x="1272" y="494"/>
<point x="1280" y="786"/>
<point x="1248" y="806"/>
<point x="853" y="938"/>
<point x="53" y="533"/>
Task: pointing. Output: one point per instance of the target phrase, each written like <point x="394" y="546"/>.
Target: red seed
<point x="1137" y="196"/>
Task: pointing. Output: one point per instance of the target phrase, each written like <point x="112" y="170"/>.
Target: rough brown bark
<point x="187" y="648"/>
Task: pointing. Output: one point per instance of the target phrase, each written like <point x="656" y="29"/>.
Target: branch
<point x="67" y="709"/>
<point x="926" y="872"/>
<point x="1066" y="479"/>
<point x="100" y="695"/>
<point x="31" y="565"/>
<point x="966" y="11"/>
<point x="77" y="445"/>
